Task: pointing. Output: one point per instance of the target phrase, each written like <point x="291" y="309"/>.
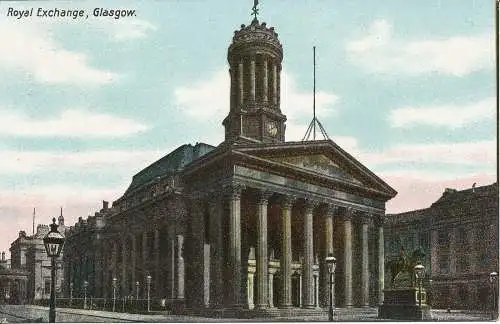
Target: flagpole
<point x="33" y="220"/>
<point x="497" y="72"/>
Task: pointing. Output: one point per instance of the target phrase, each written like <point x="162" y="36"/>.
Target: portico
<point x="279" y="217"/>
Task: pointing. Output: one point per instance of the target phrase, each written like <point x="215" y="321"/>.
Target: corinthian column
<point x="348" y="257"/>
<point x="264" y="79"/>
<point x="240" y="83"/>
<point x="235" y="243"/>
<point x="379" y="222"/>
<point x="216" y="250"/>
<point x="329" y="212"/>
<point x="252" y="79"/>
<point x="262" y="275"/>
<point x="286" y="253"/>
<point x="274" y="93"/>
<point x="365" y="292"/>
<point x="308" y="256"/>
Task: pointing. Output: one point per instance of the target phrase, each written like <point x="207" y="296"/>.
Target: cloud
<point x="104" y="161"/>
<point x="446" y="115"/>
<point x="205" y="98"/>
<point x="380" y="52"/>
<point x="417" y="190"/>
<point x="16" y="206"/>
<point x="124" y="29"/>
<point x="32" y="49"/>
<point x="70" y="123"/>
<point x="209" y="99"/>
<point x="461" y="153"/>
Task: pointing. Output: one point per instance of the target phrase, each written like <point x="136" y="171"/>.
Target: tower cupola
<point x="255" y="57"/>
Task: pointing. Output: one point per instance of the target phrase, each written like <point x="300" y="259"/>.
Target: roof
<point x="170" y="163"/>
<point x="452" y="196"/>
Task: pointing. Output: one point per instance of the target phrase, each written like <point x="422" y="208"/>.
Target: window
<point x="463" y="264"/>
<point x="443" y="263"/>
<point x="423" y="240"/>
<point x="442" y="237"/>
<point x="461" y="235"/>
<point x="47" y="286"/>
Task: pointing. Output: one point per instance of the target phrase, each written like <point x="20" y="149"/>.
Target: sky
<point x="406" y="87"/>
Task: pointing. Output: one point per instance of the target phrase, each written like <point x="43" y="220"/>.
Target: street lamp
<point x="148" y="280"/>
<point x="331" y="262"/>
<point x="54" y="242"/>
<point x="70" y="293"/>
<point x="114" y="293"/>
<point x="419" y="273"/>
<point x="493" y="282"/>
<point x="137" y="295"/>
<point x="85" y="285"/>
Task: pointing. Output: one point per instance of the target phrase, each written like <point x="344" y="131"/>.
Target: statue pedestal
<point x="403" y="303"/>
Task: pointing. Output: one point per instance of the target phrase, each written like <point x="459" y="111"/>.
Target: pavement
<point x="37" y="314"/>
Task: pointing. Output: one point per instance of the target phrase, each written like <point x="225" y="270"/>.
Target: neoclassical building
<point x="246" y="224"/>
<point x="459" y="236"/>
<point x="28" y="256"/>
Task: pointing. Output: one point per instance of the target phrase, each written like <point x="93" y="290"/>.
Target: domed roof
<point x="254" y="37"/>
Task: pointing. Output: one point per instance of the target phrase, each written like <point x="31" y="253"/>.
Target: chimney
<point x="3" y="256"/>
<point x="61" y="219"/>
<point x="105" y="204"/>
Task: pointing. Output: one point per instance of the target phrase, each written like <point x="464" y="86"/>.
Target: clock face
<point x="272" y="128"/>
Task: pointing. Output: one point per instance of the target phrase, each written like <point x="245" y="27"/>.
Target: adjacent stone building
<point x="12" y="283"/>
<point x="246" y="224"/>
<point x="459" y="236"/>
<point x="28" y="255"/>
<point x="464" y="241"/>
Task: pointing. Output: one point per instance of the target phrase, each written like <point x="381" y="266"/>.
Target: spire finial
<point x="255" y="10"/>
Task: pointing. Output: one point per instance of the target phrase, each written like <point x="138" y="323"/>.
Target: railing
<point x="122" y="305"/>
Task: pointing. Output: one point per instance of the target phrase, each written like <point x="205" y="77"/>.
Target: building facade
<point x="464" y="241"/>
<point x="459" y="237"/>
<point x="246" y="224"/>
<point x="28" y="255"/>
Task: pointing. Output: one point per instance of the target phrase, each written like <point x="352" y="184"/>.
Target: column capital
<point x="349" y="213"/>
<point x="287" y="201"/>
<point x="379" y="219"/>
<point x="233" y="190"/>
<point x="310" y="204"/>
<point x="330" y="210"/>
<point x="263" y="196"/>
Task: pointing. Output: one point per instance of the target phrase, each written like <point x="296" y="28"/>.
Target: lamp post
<point x="85" y="285"/>
<point x="54" y="242"/>
<point x="331" y="262"/>
<point x="137" y="295"/>
<point x="430" y="294"/>
<point x="70" y="294"/>
<point x="419" y="273"/>
<point x="493" y="282"/>
<point x="148" y="280"/>
<point x="114" y="293"/>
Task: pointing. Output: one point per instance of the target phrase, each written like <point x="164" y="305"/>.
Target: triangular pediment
<point x="324" y="161"/>
<point x="318" y="163"/>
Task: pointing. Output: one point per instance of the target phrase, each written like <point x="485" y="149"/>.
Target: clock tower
<point x="255" y="57"/>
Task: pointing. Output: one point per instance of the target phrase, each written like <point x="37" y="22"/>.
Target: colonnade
<point x="308" y="210"/>
<point x="256" y="70"/>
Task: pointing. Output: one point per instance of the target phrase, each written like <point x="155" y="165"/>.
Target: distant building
<point x="28" y="255"/>
<point x="459" y="236"/>
<point x="13" y="283"/>
<point x="464" y="241"/>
